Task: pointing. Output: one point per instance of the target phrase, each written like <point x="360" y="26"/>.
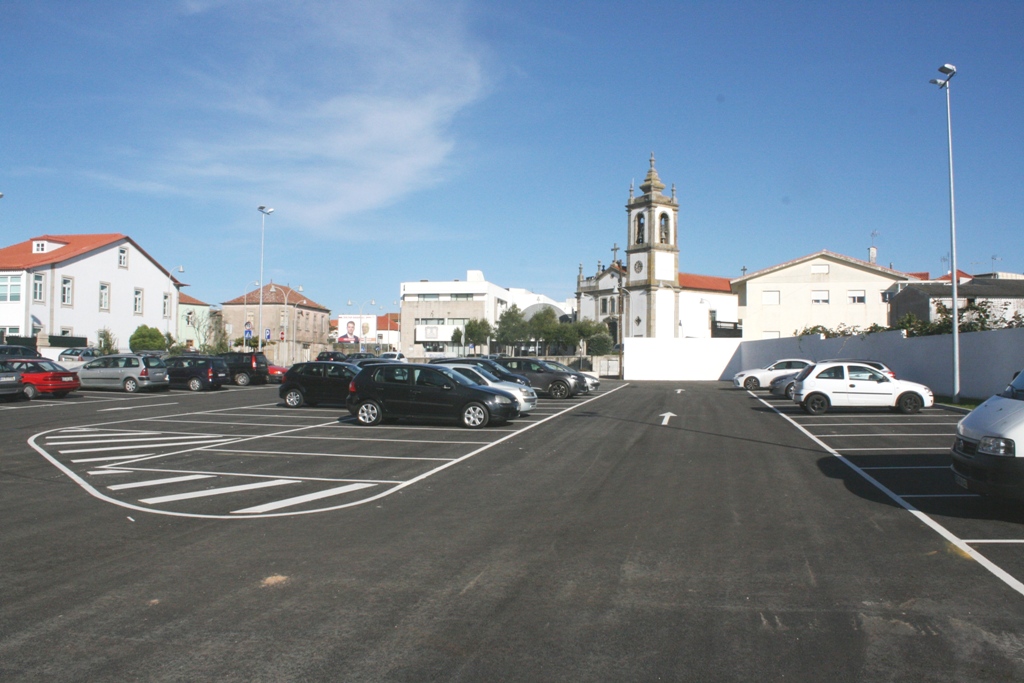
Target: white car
<point x="526" y="396"/>
<point x="394" y="355"/>
<point x="762" y="377"/>
<point x="851" y="384"/>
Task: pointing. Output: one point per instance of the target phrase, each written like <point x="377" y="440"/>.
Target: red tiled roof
<point x="923" y="275"/>
<point x="276" y="294"/>
<point x="387" y="322"/>
<point x="961" y="275"/>
<point x="184" y="298"/>
<point x="21" y="256"/>
<point x="709" y="283"/>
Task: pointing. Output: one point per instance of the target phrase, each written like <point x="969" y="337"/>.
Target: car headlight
<point x="502" y="399"/>
<point x="995" y="445"/>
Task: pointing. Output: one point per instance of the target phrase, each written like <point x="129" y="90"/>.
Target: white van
<point x="985" y="455"/>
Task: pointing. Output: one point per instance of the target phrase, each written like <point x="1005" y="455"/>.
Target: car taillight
<point x="352" y="387"/>
<point x="145" y="372"/>
<point x="209" y="373"/>
<point x="254" y="362"/>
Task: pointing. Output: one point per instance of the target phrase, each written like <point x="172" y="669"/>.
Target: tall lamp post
<point x="287" y="290"/>
<point x="263" y="227"/>
<point x="295" y="321"/>
<point x="948" y="70"/>
<point x="372" y="303"/>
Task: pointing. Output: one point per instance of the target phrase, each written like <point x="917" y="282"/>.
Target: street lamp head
<point x="264" y="210"/>
<point x="939" y="82"/>
<point x="948" y="69"/>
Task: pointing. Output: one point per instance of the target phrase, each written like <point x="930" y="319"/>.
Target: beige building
<point x="823" y="288"/>
<point x="298" y="326"/>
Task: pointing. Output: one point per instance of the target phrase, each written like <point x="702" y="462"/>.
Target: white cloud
<point x="340" y="110"/>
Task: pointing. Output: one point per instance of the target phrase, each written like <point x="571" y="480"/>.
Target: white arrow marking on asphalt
<point x="665" y="417"/>
<point x="679" y="391"/>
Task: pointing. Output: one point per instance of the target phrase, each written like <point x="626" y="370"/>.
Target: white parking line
<point x="218" y="492"/>
<point x="942" y="531"/>
<point x="181" y="442"/>
<point x="113" y="457"/>
<point x="908" y="467"/>
<point x="886" y="434"/>
<point x="298" y="500"/>
<point x="158" y="482"/>
<point x="907" y="448"/>
<point x="321" y="455"/>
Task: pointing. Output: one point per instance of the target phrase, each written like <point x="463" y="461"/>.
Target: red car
<point x="276" y="374"/>
<point x="42" y="376"/>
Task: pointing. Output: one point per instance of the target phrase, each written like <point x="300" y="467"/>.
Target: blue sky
<point x="400" y="141"/>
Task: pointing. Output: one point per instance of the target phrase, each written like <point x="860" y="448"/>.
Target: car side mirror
<point x="447" y="387"/>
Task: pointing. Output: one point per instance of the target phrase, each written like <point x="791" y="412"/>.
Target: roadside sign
<point x="248" y="334"/>
<point x="282" y="335"/>
<point x="266" y="334"/>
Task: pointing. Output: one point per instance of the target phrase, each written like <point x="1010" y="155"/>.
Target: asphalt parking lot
<point x="907" y="457"/>
<point x="652" y="531"/>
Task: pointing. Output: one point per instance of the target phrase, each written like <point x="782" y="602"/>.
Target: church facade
<point x="644" y="294"/>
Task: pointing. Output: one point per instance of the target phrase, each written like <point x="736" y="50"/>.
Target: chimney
<point x="872" y="254"/>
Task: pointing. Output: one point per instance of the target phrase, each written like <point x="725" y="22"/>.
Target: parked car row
<point x="818" y="386"/>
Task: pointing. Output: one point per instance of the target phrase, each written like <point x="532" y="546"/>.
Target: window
<point x="640" y="221"/>
<point x="167" y="305"/>
<point x="462" y="297"/>
<point x="66" y="332"/>
<point x="10" y="331"/>
<point x="819" y="269"/>
<point x="284" y="319"/>
<point x="770" y="297"/>
<point x="39" y="288"/>
<point x="835" y="372"/>
<point x="122" y="257"/>
<point x="104" y="296"/>
<point x="137" y="302"/>
<point x="819" y="296"/>
<point x="860" y="372"/>
<point x="663" y="229"/>
<point x="428" y="297"/>
<point x="39" y="247"/>
<point x="10" y="288"/>
<point x="887" y="297"/>
<point x="856" y="296"/>
<point x="612" y="306"/>
<point x="604" y="306"/>
<point x="67" y="291"/>
<point x="429" y="321"/>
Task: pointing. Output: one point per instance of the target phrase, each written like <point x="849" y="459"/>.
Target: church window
<point x="604" y="306"/>
<point x="640" y="228"/>
<point x="664" y="228"/>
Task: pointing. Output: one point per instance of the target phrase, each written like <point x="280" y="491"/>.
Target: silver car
<point x="126" y="371"/>
<point x="526" y="396"/>
<point x="10" y="381"/>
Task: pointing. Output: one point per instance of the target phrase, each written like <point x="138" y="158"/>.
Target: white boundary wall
<point x="987" y="359"/>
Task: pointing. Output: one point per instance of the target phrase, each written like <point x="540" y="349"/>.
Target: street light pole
<point x="288" y="290"/>
<point x="295" y="321"/>
<point x="949" y="71"/>
<point x="263" y="226"/>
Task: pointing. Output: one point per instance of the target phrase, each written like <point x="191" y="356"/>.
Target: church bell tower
<point x="652" y="259"/>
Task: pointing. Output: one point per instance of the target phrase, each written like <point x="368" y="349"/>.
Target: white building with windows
<point x="432" y="311"/>
<point x="77" y="285"/>
<point x="823" y="288"/>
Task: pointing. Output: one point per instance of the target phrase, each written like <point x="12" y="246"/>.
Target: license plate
<point x="67" y="379"/>
<point x="960" y="481"/>
<point x="7" y="379"/>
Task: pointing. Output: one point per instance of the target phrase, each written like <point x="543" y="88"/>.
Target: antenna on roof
<point x="874" y="234"/>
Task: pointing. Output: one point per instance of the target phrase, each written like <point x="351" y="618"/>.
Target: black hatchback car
<point x="332" y="355"/>
<point x="197" y="373"/>
<point x="432" y="392"/>
<point x="317" y="382"/>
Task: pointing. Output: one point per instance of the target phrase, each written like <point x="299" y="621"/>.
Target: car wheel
<point x="242" y="379"/>
<point x="559" y="390"/>
<point x="475" y="416"/>
<point x="789" y="391"/>
<point x="131" y="385"/>
<point x="30" y="392"/>
<point x="751" y="383"/>
<point x="910" y="403"/>
<point x="369" y="413"/>
<point x="195" y="384"/>
<point x="816" y="404"/>
<point x="293" y="398"/>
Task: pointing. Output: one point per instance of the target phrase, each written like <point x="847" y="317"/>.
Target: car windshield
<point x="1015" y="389"/>
<point x="487" y="374"/>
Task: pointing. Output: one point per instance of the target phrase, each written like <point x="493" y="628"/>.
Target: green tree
<point x="543" y="327"/>
<point x="600" y="344"/>
<point x="146" y="338"/>
<point x="106" y="341"/>
<point x="511" y="327"/>
<point x="478" y="332"/>
<point x="457" y="336"/>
